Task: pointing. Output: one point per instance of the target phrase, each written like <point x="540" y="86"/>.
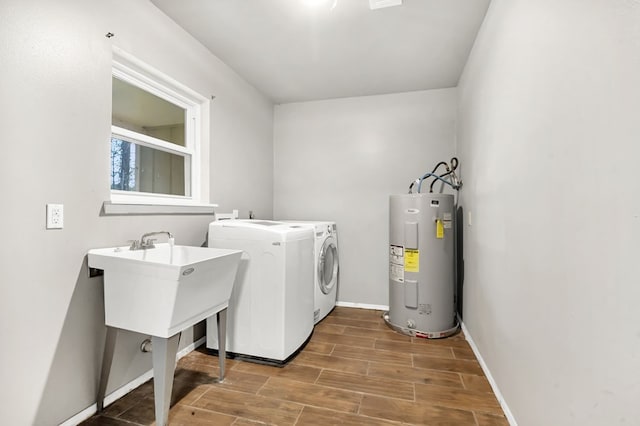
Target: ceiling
<point x="293" y="52"/>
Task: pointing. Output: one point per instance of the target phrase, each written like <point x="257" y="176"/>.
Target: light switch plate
<point x="55" y="216"/>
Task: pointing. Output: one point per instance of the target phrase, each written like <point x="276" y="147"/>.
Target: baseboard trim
<point x="125" y="389"/>
<point x="494" y="386"/>
<point x="362" y="306"/>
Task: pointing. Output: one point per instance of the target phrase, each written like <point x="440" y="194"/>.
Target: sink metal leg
<point x="221" y="317"/>
<point x="107" y="360"/>
<point x="164" y="365"/>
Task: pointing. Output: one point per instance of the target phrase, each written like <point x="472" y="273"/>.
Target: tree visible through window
<point x="123" y="165"/>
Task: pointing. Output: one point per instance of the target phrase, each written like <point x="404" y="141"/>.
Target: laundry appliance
<point x="326" y="266"/>
<point x="270" y="314"/>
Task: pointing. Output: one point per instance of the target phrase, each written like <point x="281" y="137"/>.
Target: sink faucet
<point x="146" y="242"/>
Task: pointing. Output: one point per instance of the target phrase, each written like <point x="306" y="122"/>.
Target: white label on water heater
<point x="446" y="217"/>
<point x="396" y="263"/>
<point x="396" y="273"/>
<point x="396" y="254"/>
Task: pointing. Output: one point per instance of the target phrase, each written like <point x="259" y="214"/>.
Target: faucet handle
<point x="149" y="243"/>
<point x="135" y="244"/>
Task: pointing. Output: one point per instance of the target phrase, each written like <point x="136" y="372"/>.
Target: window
<point x="156" y="137"/>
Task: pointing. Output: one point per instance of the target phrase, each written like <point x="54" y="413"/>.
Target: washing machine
<point x="326" y="266"/>
<point x="270" y="314"/>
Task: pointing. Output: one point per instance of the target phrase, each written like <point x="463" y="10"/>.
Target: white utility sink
<point x="163" y="290"/>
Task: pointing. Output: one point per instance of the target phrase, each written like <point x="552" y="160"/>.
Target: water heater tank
<point x="421" y="265"/>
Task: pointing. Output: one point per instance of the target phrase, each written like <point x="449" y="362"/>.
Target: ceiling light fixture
<point x="379" y="4"/>
<point x="316" y="4"/>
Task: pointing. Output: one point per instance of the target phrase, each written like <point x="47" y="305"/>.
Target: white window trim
<point x="130" y="69"/>
<point x="159" y="145"/>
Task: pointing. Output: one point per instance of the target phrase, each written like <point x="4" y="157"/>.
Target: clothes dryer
<point x="270" y="314"/>
<point x="326" y="266"/>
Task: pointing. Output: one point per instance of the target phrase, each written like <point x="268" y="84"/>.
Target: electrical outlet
<point x="55" y="216"/>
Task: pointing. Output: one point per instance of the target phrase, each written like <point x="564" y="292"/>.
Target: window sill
<point x="126" y="209"/>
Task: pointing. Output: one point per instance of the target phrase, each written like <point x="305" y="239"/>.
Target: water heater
<point x="422" y="265"/>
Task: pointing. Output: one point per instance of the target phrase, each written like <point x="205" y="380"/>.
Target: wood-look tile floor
<point x="353" y="371"/>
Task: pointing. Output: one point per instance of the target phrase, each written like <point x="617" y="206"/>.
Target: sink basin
<point x="163" y="290"/>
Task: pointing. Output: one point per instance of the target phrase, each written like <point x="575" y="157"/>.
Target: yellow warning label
<point x="411" y="260"/>
<point x="439" y="229"/>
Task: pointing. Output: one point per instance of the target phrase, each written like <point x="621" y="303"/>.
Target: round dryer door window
<point x="328" y="266"/>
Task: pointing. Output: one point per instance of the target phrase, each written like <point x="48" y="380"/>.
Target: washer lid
<point x="247" y="229"/>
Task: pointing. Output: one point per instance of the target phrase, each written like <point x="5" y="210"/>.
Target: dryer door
<point x="328" y="266"/>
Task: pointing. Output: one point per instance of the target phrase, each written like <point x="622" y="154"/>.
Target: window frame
<point x="135" y="72"/>
<point x="147" y="141"/>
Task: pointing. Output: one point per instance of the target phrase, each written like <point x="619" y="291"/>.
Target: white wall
<point x="341" y="159"/>
<point x="55" y="82"/>
<point x="549" y="137"/>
